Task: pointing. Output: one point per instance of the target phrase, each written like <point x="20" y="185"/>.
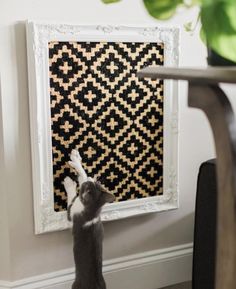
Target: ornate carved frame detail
<point x="38" y="36"/>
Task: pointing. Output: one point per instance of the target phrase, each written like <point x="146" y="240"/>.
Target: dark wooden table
<point x="204" y="93"/>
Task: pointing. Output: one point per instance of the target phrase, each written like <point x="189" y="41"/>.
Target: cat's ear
<point x="106" y="196"/>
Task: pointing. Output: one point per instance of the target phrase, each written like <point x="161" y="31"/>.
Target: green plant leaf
<point x="211" y="2"/>
<point x="162" y="9"/>
<point x="110" y="1"/>
<point x="230" y="10"/>
<point x="218" y="24"/>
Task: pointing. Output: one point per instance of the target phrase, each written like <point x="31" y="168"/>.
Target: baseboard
<point x="147" y="270"/>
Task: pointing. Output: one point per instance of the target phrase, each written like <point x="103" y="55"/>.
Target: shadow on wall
<point x="47" y="247"/>
<point x="23" y="151"/>
<point x="152" y="231"/>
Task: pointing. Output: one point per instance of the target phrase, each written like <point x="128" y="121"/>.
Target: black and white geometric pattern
<point x="115" y="120"/>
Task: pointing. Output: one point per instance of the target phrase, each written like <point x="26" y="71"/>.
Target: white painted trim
<point x="152" y="269"/>
<point x="38" y="36"/>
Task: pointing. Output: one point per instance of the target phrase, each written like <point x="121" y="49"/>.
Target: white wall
<point x="4" y="237"/>
<point x="30" y="254"/>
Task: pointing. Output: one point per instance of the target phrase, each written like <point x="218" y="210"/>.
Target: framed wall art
<point x="85" y="94"/>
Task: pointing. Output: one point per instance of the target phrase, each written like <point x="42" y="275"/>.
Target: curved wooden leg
<point x="212" y="100"/>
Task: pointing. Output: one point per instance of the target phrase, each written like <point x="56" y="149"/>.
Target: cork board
<point x="115" y="120"/>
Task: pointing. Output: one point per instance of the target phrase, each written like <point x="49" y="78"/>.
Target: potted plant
<point x="218" y="19"/>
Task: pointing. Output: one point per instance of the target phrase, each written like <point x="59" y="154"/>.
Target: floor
<point x="186" y="285"/>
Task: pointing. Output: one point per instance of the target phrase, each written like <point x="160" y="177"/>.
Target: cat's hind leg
<point x="76" y="163"/>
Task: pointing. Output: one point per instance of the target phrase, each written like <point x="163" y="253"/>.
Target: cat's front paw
<point x="75" y="160"/>
<point x="69" y="184"/>
<point x="70" y="187"/>
<point x="75" y="156"/>
<point x="76" y="163"/>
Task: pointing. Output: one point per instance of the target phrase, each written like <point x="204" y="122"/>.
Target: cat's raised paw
<point x="76" y="163"/>
<point x="69" y="184"/>
<point x="75" y="156"/>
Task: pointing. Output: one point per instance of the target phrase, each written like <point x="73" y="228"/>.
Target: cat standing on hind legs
<point x="84" y="211"/>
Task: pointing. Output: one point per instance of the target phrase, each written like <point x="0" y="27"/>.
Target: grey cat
<point x="84" y="211"/>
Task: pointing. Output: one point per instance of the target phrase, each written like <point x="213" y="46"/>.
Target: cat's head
<point x="94" y="194"/>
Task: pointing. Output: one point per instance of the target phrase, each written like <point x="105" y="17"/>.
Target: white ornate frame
<point x="38" y="36"/>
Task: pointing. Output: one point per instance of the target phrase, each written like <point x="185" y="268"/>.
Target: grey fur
<point x="88" y="238"/>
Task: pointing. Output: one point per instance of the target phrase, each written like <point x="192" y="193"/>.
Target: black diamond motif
<point x="132" y="148"/>
<point x="111" y="67"/>
<point x="110" y="123"/>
